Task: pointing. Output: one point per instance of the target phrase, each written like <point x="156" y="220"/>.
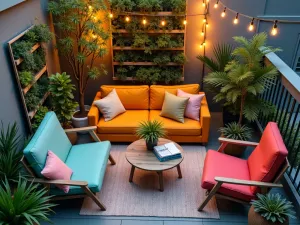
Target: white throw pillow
<point x="110" y="106"/>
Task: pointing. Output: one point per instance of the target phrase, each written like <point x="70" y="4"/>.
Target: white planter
<point x="81" y="122"/>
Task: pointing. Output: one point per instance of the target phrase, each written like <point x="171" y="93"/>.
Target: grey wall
<point x="12" y="22"/>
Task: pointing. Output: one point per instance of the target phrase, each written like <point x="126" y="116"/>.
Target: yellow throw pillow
<point x="174" y="107"/>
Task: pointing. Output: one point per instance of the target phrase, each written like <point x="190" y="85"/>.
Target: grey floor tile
<point x="142" y="222"/>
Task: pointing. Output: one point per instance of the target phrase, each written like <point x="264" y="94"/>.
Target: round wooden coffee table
<point x="139" y="157"/>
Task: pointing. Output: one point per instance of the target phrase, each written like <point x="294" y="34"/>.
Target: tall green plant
<point x="245" y="78"/>
<point x="150" y="130"/>
<point x="61" y="89"/>
<point x="83" y="39"/>
<point x="27" y="205"/>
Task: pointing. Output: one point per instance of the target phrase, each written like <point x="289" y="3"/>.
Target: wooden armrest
<point x="61" y="182"/>
<point x="75" y="130"/>
<point x="246" y="182"/>
<point x="237" y="142"/>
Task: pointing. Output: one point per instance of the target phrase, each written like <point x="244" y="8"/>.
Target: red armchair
<point x="238" y="179"/>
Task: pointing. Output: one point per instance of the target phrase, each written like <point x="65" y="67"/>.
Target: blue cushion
<point x="88" y="162"/>
<point x="49" y="136"/>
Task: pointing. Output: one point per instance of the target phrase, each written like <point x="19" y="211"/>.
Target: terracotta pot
<point x="255" y="218"/>
<point x="150" y="145"/>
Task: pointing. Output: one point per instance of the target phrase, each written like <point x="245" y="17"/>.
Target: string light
<point x="202" y="32"/>
<point x="144" y="21"/>
<point x="251" y="26"/>
<point x="236" y="19"/>
<point x="127" y="19"/>
<point x="216" y="4"/>
<point x="204" y="20"/>
<point x="163" y="22"/>
<point x="223" y="14"/>
<point x="202" y="45"/>
<point x="111" y="15"/>
<point x="206" y="25"/>
<point x="90" y="7"/>
<point x="274" y="31"/>
<point x="203" y="3"/>
<point x="184" y="22"/>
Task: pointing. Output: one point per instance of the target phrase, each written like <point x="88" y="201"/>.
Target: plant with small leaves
<point x="162" y="59"/>
<point x="163" y="41"/>
<point x="26" y="78"/>
<point x="20" y="48"/>
<point x="42" y="86"/>
<point x="141" y="40"/>
<point x="122" y="5"/>
<point x="122" y="73"/>
<point x="39" y="33"/>
<point x="28" y="204"/>
<point x="61" y="89"/>
<point x="273" y="208"/>
<point x="120" y="57"/>
<point x="171" y="75"/>
<point x="39" y="57"/>
<point x="38" y="117"/>
<point x="179" y="58"/>
<point x="149" y="5"/>
<point x="83" y="39"/>
<point x="150" y="131"/>
<point x="150" y="75"/>
<point x="31" y="98"/>
<point x="236" y="131"/>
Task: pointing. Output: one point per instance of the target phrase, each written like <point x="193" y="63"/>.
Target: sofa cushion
<point x="49" y="136"/>
<point x="189" y="127"/>
<point x="268" y="156"/>
<point x="217" y="164"/>
<point x="157" y="93"/>
<point x="126" y="123"/>
<point x="88" y="162"/>
<point x="132" y="97"/>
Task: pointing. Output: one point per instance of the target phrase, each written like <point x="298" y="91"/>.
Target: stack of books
<point x="167" y="152"/>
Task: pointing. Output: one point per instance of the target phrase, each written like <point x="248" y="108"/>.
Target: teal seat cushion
<point x="88" y="162"/>
<point x="49" y="136"/>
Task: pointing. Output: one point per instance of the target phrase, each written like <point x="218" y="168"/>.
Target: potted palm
<point x="270" y="209"/>
<point x="237" y="132"/>
<point x="26" y="205"/>
<point x="150" y="131"/>
<point x="82" y="40"/>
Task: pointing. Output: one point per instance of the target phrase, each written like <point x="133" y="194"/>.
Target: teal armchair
<point x="88" y="161"/>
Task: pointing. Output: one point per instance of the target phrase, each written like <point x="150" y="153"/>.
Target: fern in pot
<point x="270" y="209"/>
<point x="237" y="132"/>
<point x="150" y="131"/>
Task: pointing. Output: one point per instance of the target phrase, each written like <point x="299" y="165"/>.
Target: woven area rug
<point x="180" y="198"/>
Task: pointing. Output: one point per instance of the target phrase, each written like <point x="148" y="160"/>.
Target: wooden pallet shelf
<point x="123" y="31"/>
<point x="36" y="77"/>
<point x="33" y="112"/>
<point x="165" y="13"/>
<point x="144" y="64"/>
<point x="156" y="49"/>
<point x="33" y="49"/>
<point x="134" y="79"/>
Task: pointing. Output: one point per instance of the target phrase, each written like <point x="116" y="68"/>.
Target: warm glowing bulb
<point x="223" y="14"/>
<point x="236" y="21"/>
<point x="163" y="23"/>
<point x="274" y="31"/>
<point x="94" y="36"/>
<point x="144" y="21"/>
<point x="203" y="43"/>
<point x="201" y="46"/>
<point x="184" y="22"/>
<point x="251" y="27"/>
<point x="203" y="4"/>
<point x="202" y="33"/>
<point x="207" y="1"/>
<point x="204" y="20"/>
<point x="90" y="7"/>
<point x="94" y="18"/>
<point x="127" y="19"/>
<point x="111" y="15"/>
<point x="206" y="25"/>
<point x="216" y="5"/>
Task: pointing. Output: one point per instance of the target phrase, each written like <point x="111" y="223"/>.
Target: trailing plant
<point x="245" y="78"/>
<point x="21" y="48"/>
<point x="10" y="155"/>
<point x="149" y="5"/>
<point x="29" y="63"/>
<point x="31" y="98"/>
<point x="122" y="5"/>
<point x="179" y="58"/>
<point x="27" y="205"/>
<point x="151" y="75"/>
<point x="39" y="33"/>
<point x="38" y="117"/>
<point x="122" y="73"/>
<point x="162" y="59"/>
<point x="39" y="57"/>
<point x="61" y="89"/>
<point x="273" y="208"/>
<point x="141" y="40"/>
<point x="120" y="56"/>
<point x="163" y="41"/>
<point x="83" y="39"/>
<point x="237" y="132"/>
<point x="150" y="131"/>
<point x="177" y="6"/>
<point x="26" y="78"/>
<point x="42" y="86"/>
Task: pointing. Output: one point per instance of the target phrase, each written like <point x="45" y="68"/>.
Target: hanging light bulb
<point x="111" y="15"/>
<point x="223" y="14"/>
<point x="251" y="26"/>
<point x="206" y="25"/>
<point x="202" y="32"/>
<point x="216" y="4"/>
<point x="144" y="21"/>
<point x="90" y="7"/>
<point x="127" y="19"/>
<point x="204" y="20"/>
<point x="207" y="1"/>
<point x="185" y="22"/>
<point x="203" y="3"/>
<point x="236" y="19"/>
<point x="202" y="45"/>
<point x="274" y="31"/>
<point x="163" y="22"/>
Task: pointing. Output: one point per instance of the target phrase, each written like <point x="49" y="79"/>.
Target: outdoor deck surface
<point x="67" y="212"/>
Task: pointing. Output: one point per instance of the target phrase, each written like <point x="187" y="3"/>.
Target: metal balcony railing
<point x="285" y="96"/>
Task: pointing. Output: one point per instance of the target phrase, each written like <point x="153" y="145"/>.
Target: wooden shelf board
<point x="35" y="47"/>
<point x="33" y="112"/>
<point x="133" y="79"/>
<point x="145" y="64"/>
<point x="123" y="31"/>
<point x="156" y="49"/>
<point x="165" y="13"/>
<point x="36" y="77"/>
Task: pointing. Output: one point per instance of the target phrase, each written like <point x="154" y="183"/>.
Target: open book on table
<point x="167" y="151"/>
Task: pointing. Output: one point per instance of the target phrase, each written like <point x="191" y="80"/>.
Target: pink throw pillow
<point x="55" y="169"/>
<point x="192" y="109"/>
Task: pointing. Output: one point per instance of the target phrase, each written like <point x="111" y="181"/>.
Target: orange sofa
<point x="144" y="103"/>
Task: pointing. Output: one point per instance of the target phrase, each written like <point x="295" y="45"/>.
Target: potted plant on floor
<point x="61" y="89"/>
<point x="83" y="42"/>
<point x="26" y="205"/>
<point x="150" y="131"/>
<point x="270" y="209"/>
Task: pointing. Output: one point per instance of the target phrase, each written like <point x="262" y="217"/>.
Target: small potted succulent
<point x="237" y="132"/>
<point x="270" y="209"/>
<point x="150" y="131"/>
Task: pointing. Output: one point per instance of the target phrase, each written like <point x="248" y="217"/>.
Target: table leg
<point x="179" y="172"/>
<point x="161" y="181"/>
<point x="131" y="173"/>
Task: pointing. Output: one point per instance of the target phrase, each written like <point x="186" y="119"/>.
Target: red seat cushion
<point x="221" y="165"/>
<point x="268" y="156"/>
